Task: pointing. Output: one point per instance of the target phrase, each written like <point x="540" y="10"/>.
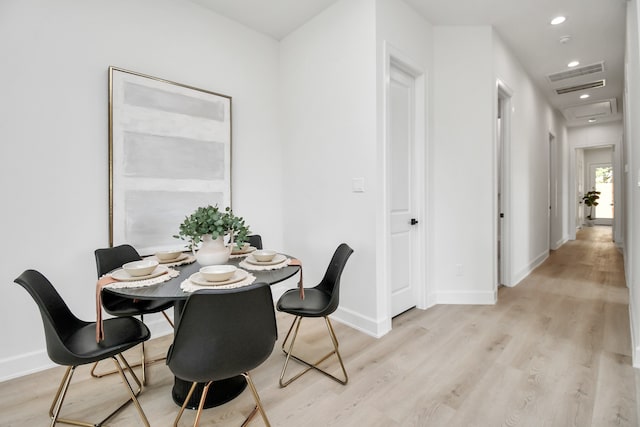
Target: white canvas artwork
<point x="170" y="152"/>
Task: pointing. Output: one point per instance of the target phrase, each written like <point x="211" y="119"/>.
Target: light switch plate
<point x="357" y="185"/>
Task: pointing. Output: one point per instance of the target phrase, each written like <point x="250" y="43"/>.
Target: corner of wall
<point x="367" y="325"/>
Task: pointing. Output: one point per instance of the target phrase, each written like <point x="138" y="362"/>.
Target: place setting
<point x="172" y="258"/>
<point x="264" y="259"/>
<point x="141" y="273"/>
<point x="243" y="251"/>
<point x="219" y="277"/>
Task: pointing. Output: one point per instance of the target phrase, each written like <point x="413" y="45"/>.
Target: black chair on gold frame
<point x="72" y="342"/>
<point x="223" y="333"/>
<point x="319" y="301"/>
<point x="109" y="259"/>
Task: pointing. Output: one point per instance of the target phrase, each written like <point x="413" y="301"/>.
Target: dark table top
<point x="170" y="290"/>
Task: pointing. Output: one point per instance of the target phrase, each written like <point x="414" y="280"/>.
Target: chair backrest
<point x="331" y="281"/>
<point x="108" y="259"/>
<point x="59" y="322"/>
<point x="223" y="333"/>
<point x="255" y="240"/>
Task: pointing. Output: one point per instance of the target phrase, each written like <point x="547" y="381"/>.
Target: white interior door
<point x="402" y="190"/>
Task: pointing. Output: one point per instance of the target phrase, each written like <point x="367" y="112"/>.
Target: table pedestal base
<point x="220" y="392"/>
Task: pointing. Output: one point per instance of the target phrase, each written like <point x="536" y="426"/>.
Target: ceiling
<point x="595" y="30"/>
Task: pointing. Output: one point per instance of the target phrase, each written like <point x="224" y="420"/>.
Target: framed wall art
<point x="169" y="153"/>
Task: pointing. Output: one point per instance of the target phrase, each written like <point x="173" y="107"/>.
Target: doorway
<point x="405" y="184"/>
<point x="552" y="192"/>
<point x="403" y="206"/>
<point x="503" y="126"/>
<point x="601" y="179"/>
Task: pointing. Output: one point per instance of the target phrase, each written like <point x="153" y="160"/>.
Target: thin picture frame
<point x="169" y="153"/>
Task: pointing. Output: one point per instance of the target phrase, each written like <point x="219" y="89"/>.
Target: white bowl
<point x="140" y="268"/>
<point x="243" y="247"/>
<point x="217" y="273"/>
<point x="264" y="255"/>
<point x="167" y="255"/>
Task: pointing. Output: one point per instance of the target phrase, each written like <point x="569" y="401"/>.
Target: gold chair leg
<point x="184" y="404"/>
<point x="258" y="407"/>
<point x="200" y="405"/>
<point x="168" y="319"/>
<point x="58" y="400"/>
<point x="296" y="322"/>
<point x="143" y="362"/>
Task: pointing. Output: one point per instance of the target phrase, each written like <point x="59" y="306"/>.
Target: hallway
<point x="554" y="351"/>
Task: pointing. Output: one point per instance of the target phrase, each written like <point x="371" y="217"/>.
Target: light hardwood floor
<point x="554" y="351"/>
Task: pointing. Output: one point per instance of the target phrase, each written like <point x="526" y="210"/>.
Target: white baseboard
<point x="532" y="266"/>
<point x="36" y="361"/>
<point x="556" y="245"/>
<point x="24" y="364"/>
<point x="362" y="323"/>
<point x="466" y="297"/>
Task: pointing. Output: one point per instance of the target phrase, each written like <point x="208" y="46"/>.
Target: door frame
<point x="573" y="191"/>
<point x="502" y="172"/>
<point x="592" y="173"/>
<point x="552" y="191"/>
<point x="396" y="57"/>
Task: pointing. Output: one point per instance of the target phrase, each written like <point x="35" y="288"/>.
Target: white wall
<point x="631" y="161"/>
<point x="54" y="178"/>
<point x="532" y="120"/>
<point x="463" y="166"/>
<point x="328" y="104"/>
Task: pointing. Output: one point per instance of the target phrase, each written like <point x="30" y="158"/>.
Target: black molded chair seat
<point x="314" y="304"/>
<point x="121" y="306"/>
<point x="223" y="333"/>
<point x="72" y="342"/>
<point x="319" y="301"/>
<point x="80" y="347"/>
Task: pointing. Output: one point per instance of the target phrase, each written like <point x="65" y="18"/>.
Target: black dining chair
<point x="223" y="333"/>
<point x="255" y="240"/>
<point x="319" y="301"/>
<point x="109" y="259"/>
<point x="71" y="342"/>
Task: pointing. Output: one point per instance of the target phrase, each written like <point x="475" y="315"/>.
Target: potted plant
<point x="210" y="225"/>
<point x="591" y="199"/>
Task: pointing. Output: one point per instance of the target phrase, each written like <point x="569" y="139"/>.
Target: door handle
<point x="413" y="221"/>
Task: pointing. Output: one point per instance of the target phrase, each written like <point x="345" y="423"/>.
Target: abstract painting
<point x="169" y="153"/>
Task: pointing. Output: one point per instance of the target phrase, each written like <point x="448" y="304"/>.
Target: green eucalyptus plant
<point x="211" y="220"/>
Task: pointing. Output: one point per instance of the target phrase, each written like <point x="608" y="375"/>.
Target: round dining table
<point x="222" y="391"/>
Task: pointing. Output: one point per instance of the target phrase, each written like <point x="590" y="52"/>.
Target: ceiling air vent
<point x="591" y="85"/>
<point x="576" y="72"/>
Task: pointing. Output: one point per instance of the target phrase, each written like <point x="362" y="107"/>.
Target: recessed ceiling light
<point x="558" y="20"/>
<point x="573" y="64"/>
<point x="592" y="120"/>
<point x="565" y="39"/>
<point x="584" y="96"/>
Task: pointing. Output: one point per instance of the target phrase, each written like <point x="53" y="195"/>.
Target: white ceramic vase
<point x="212" y="251"/>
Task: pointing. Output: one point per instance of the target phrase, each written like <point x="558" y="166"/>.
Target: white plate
<point x="122" y="275"/>
<point x="276" y="260"/>
<point x="246" y="251"/>
<point x="237" y="276"/>
<point x="181" y="257"/>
